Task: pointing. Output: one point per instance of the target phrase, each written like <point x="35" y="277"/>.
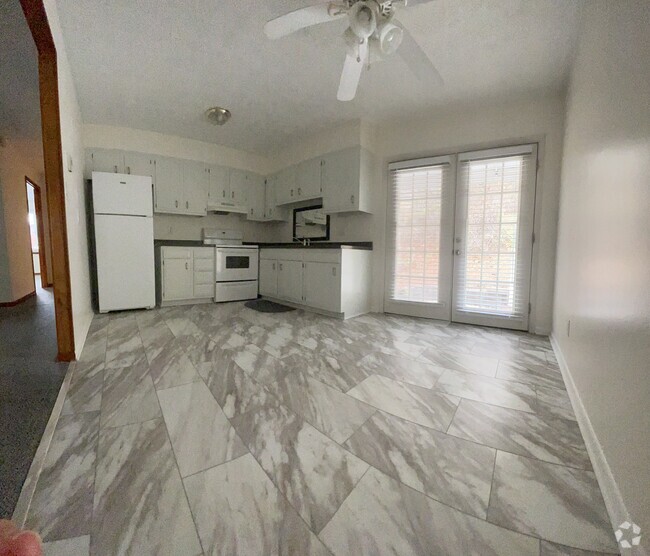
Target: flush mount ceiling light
<point x="217" y="115"/>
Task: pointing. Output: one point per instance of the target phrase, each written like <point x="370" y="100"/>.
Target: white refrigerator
<point x="123" y="218"/>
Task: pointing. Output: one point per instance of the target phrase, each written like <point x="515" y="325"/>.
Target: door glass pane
<point x="417" y="200"/>
<point x="492" y="227"/>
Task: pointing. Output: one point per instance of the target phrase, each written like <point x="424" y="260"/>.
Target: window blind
<point x="492" y="269"/>
<point x="416" y="222"/>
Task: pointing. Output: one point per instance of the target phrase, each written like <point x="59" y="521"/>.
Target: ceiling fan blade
<point x="299" y="19"/>
<point x="351" y="74"/>
<point x="418" y="62"/>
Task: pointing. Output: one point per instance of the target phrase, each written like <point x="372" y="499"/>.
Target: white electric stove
<point x="236" y="265"/>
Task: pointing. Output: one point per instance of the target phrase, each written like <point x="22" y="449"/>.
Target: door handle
<point x="457" y="252"/>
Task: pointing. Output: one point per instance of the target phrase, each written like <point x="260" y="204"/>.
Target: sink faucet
<point x="304" y="241"/>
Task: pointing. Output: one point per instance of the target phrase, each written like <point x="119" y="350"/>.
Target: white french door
<point x="470" y="263"/>
<point x="420" y="217"/>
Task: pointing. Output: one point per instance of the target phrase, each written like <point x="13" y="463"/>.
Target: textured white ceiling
<point x="158" y="65"/>
<point x="20" y="115"/>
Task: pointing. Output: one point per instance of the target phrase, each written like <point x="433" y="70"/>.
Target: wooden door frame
<point x="38" y="210"/>
<point x="36" y="17"/>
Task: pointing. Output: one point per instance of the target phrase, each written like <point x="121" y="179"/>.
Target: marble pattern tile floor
<point x="214" y="429"/>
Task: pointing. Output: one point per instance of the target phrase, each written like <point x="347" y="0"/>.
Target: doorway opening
<point x="36" y="234"/>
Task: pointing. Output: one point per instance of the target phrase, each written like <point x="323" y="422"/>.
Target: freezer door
<point x="122" y="194"/>
<point x="125" y="262"/>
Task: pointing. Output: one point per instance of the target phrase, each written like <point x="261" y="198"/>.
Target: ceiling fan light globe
<point x="363" y="18"/>
<point x="390" y="37"/>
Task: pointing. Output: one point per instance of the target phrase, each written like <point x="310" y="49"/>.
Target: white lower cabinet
<point x="322" y="286"/>
<point x="290" y="280"/>
<point x="268" y="277"/>
<point x="335" y="281"/>
<point x="185" y="275"/>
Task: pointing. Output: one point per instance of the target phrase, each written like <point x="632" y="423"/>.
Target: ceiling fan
<point x="372" y="35"/>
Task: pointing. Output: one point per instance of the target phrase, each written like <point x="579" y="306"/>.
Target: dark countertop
<point x="366" y="245"/>
<point x="179" y="243"/>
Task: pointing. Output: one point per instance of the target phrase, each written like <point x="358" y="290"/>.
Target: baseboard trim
<point x="612" y="496"/>
<point x="18" y="301"/>
<point x="29" y="486"/>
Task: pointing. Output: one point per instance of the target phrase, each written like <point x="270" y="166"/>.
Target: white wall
<point x="603" y="267"/>
<point x="177" y="226"/>
<point x="75" y="202"/>
<point x="17" y="159"/>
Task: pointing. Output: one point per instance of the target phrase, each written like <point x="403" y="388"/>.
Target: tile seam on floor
<point x="178" y="469"/>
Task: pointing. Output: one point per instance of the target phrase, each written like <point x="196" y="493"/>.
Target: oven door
<point x="234" y="264"/>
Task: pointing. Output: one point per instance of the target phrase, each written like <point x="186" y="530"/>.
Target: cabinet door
<point x="178" y="279"/>
<point x="341" y="174"/>
<point x="256" y="198"/>
<point x="308" y="179"/>
<point x="219" y="186"/>
<point x="168" y="187"/>
<point x="107" y="160"/>
<point x="285" y="190"/>
<point x="139" y="164"/>
<point x="195" y="188"/>
<point x="322" y="286"/>
<point x="238" y="187"/>
<point x="290" y="281"/>
<point x="269" y="277"/>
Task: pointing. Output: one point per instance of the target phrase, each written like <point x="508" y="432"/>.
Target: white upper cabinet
<point x="140" y="164"/>
<point x="239" y="187"/>
<point x="104" y="160"/>
<point x="273" y="212"/>
<point x="168" y="187"/>
<point x="219" y="188"/>
<point x="195" y="188"/>
<point x="285" y="188"/>
<point x="347" y="178"/>
<point x="308" y="180"/>
<point x="256" y="197"/>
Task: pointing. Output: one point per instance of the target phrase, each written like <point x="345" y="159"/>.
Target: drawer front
<point x="322" y="255"/>
<point x="234" y="291"/>
<point x="204" y="253"/>
<point x="177" y="252"/>
<point x="206" y="277"/>
<point x="203" y="265"/>
<point x="203" y="290"/>
<point x="281" y="254"/>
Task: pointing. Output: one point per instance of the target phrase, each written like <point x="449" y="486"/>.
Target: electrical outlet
<point x="568" y="328"/>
